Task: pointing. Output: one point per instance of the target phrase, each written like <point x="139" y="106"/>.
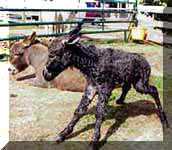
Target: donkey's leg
<point x="79" y="112"/>
<point x="103" y="97"/>
<point x="40" y="81"/>
<point x="154" y="93"/>
<point x="152" y="90"/>
<point x="125" y="88"/>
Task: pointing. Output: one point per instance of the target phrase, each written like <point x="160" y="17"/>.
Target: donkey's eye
<point x="51" y="55"/>
<point x="19" y="54"/>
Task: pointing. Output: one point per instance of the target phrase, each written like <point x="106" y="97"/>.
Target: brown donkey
<point x="32" y="52"/>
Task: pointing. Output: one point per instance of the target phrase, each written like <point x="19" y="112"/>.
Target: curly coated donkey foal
<point x="104" y="69"/>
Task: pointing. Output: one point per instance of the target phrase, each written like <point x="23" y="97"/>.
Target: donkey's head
<point x="60" y="54"/>
<point x="18" y="55"/>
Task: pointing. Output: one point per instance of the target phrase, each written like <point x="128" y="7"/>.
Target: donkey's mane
<point x="88" y="50"/>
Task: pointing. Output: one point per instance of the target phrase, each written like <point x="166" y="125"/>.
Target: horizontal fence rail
<point x="109" y="10"/>
<point x="58" y="22"/>
<point x="101" y="20"/>
<point x="65" y="33"/>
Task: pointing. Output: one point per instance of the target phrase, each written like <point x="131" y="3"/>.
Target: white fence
<point x="152" y="23"/>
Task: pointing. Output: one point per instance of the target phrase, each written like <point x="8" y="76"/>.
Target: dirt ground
<point x="38" y="114"/>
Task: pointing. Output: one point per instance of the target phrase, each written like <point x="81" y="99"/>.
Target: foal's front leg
<point x="79" y="112"/>
<point x="100" y="112"/>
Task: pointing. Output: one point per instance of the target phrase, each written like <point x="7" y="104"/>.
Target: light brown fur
<point x="37" y="55"/>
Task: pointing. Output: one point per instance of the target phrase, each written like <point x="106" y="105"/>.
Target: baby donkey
<point x="104" y="69"/>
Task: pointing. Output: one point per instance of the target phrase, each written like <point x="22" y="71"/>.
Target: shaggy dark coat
<point x="104" y="69"/>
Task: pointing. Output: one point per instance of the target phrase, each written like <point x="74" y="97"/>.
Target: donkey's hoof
<point x="59" y="139"/>
<point x="120" y="102"/>
<point x="94" y="146"/>
<point x="165" y="124"/>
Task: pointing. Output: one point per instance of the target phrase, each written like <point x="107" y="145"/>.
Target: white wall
<point x="44" y="4"/>
<point x="4" y="104"/>
<point x="39" y="4"/>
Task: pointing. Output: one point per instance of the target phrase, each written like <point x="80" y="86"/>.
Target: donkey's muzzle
<point x="12" y="70"/>
<point x="47" y="75"/>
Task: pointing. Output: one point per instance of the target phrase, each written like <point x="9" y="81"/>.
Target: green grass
<point x="130" y="46"/>
<point x="23" y="28"/>
<point x="157" y="81"/>
<point x="154" y="80"/>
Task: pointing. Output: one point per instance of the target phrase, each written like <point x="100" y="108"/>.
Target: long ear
<point x="11" y="43"/>
<point x="74" y="35"/>
<point x="73" y="40"/>
<point x="32" y="37"/>
<point x="77" y="29"/>
<point x="29" y="39"/>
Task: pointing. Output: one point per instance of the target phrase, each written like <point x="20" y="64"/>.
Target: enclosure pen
<point x="102" y="21"/>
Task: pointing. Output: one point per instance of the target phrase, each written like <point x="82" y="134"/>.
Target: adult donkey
<point x="29" y="52"/>
<point x="104" y="69"/>
<point x="33" y="52"/>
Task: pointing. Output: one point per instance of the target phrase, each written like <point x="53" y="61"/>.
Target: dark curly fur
<point x="104" y="69"/>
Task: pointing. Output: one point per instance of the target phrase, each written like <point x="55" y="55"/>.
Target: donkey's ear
<point x="73" y="40"/>
<point x="26" y="38"/>
<point x="32" y="37"/>
<point x="11" y="43"/>
<point x="29" y="39"/>
<point x="77" y="29"/>
<point x="26" y="41"/>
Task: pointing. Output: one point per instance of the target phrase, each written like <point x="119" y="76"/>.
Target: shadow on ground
<point x="120" y="115"/>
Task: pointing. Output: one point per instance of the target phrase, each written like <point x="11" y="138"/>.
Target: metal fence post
<point x="103" y="15"/>
<point x="100" y="10"/>
<point x="125" y="36"/>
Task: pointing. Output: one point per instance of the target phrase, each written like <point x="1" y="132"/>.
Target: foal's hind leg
<point x="152" y="90"/>
<point x="125" y="88"/>
<point x="79" y="112"/>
